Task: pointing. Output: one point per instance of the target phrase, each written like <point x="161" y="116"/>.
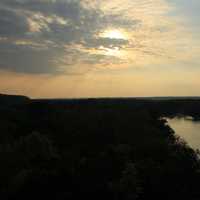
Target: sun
<point x="114" y="49"/>
<point x="114" y="34"/>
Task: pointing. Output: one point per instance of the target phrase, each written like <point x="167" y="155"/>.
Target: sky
<point x="99" y="48"/>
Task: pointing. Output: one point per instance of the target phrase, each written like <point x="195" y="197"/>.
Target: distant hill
<point x="120" y="98"/>
<point x="11" y="100"/>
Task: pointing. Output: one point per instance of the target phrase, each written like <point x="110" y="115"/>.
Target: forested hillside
<point x="116" y="149"/>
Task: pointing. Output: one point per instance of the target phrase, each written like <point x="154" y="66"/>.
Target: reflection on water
<point x="188" y="129"/>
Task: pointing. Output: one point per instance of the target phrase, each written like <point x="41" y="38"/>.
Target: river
<point x="187" y="129"/>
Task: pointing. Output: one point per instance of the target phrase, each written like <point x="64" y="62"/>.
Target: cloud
<point x="25" y="57"/>
<point x="12" y="24"/>
<point x="63" y="36"/>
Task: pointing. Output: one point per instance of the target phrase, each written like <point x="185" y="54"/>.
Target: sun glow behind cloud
<point x="114" y="34"/>
<point x="151" y="36"/>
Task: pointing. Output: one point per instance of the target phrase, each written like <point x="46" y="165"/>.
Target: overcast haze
<point x="100" y="48"/>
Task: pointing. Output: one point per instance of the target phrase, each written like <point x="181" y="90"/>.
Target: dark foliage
<point x="116" y="149"/>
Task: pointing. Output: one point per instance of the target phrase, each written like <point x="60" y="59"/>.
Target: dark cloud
<point x="38" y="31"/>
<point x="28" y="60"/>
<point x="105" y="42"/>
<point x="12" y="24"/>
<point x="120" y="21"/>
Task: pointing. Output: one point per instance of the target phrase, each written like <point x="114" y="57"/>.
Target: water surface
<point x="187" y="129"/>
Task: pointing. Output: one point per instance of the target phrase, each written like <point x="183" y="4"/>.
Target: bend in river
<point x="188" y="129"/>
